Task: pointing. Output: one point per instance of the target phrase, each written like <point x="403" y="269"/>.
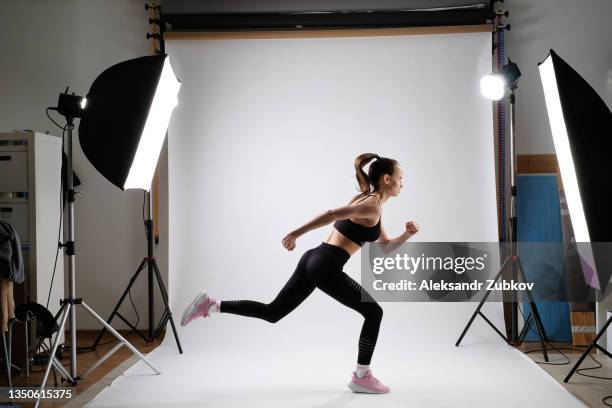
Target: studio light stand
<point x="68" y="305"/>
<point x="511" y="74"/>
<point x="586" y="352"/>
<point x="150" y="264"/>
<point x="580" y="123"/>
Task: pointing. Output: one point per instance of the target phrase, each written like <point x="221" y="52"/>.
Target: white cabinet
<point x="30" y="177"/>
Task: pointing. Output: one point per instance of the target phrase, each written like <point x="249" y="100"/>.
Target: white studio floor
<point x="423" y="369"/>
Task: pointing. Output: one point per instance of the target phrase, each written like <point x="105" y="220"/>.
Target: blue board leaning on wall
<point x="539" y="220"/>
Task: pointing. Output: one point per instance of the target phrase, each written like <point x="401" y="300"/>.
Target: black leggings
<point x="320" y="267"/>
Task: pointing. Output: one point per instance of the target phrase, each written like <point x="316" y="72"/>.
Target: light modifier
<point x="124" y="126"/>
<point x="581" y="126"/>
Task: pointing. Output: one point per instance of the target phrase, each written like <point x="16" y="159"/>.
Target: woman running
<point x="321" y="267"/>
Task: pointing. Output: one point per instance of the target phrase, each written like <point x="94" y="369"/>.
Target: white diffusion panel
<point x="264" y="139"/>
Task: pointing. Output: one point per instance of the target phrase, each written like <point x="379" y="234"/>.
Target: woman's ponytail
<point x="362" y="178"/>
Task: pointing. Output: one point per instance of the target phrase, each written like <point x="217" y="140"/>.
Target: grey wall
<point x="46" y="46"/>
<point x="579" y="31"/>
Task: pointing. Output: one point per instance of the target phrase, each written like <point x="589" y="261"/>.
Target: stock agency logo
<point x="413" y="264"/>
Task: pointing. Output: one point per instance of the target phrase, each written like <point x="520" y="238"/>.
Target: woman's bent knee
<point x="374" y="311"/>
<point x="273" y="315"/>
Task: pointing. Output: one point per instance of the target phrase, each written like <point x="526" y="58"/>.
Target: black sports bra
<point x="357" y="233"/>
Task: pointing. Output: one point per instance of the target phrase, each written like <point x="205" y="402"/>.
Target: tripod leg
<point x="160" y="325"/>
<point x="482" y="302"/>
<point x="6" y="361"/>
<point x="588" y="350"/>
<point x="10" y="343"/>
<point x="66" y="309"/>
<point x="514" y="305"/>
<point x="57" y="365"/>
<point x="525" y="329"/>
<point x="101" y="360"/>
<point x="603" y="350"/>
<point x="27" y="347"/>
<point x="54" y="374"/>
<point x="467" y="327"/>
<point x="494" y="328"/>
<point x="165" y="298"/>
<point x="535" y="313"/>
<point x="115" y="311"/>
<point x="121" y="338"/>
<point x="532" y="304"/>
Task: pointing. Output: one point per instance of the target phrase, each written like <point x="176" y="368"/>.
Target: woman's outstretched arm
<point x="360" y="210"/>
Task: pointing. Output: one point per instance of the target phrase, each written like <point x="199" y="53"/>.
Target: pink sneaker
<point x="368" y="384"/>
<point x="197" y="308"/>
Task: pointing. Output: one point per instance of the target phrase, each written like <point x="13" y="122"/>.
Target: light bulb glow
<point x="492" y="86"/>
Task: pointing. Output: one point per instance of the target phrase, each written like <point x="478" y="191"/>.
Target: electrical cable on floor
<point x="579" y="370"/>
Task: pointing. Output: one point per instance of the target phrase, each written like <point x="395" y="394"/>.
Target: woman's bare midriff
<point x="336" y="238"/>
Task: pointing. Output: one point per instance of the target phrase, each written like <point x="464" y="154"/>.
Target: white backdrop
<point x="264" y="139"/>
